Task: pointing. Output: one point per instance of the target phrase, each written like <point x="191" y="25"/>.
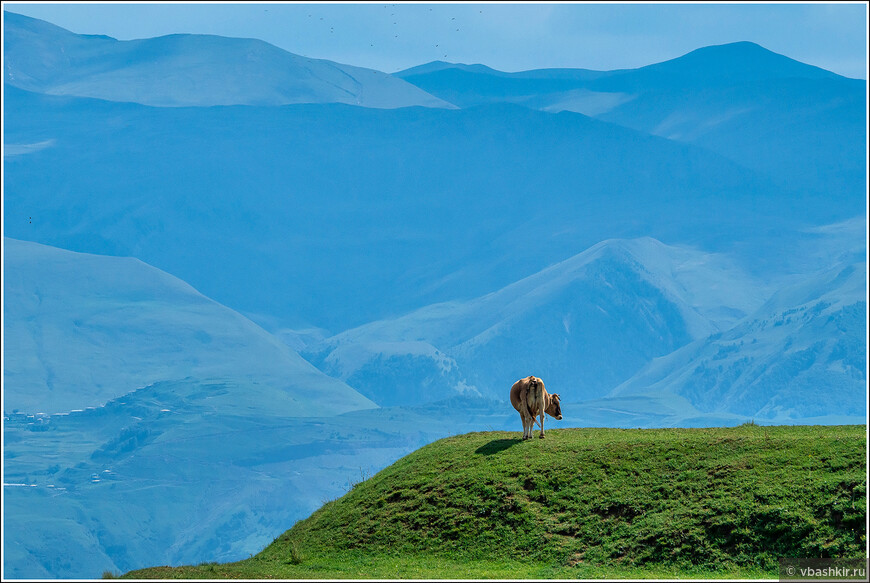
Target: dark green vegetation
<point x="715" y="502"/>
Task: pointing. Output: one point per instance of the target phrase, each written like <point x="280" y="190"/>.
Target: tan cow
<point x="530" y="398"/>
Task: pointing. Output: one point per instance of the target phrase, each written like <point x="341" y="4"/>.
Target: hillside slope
<point x="82" y="329"/>
<point x="591" y="501"/>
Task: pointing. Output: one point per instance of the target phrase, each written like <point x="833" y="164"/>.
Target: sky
<point x="505" y="36"/>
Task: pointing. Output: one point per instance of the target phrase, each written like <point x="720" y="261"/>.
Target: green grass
<point x="585" y="503"/>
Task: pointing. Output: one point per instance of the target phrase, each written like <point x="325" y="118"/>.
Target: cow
<point x="530" y="399"/>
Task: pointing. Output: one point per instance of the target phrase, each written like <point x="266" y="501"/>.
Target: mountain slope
<point x="801" y="354"/>
<point x="583" y="325"/>
<point x="803" y="133"/>
<point x="188" y="70"/>
<point x="801" y="124"/>
<point x="83" y="329"/>
<point x="407" y="207"/>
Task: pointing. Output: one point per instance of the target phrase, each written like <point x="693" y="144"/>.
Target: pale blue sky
<point x="505" y="36"/>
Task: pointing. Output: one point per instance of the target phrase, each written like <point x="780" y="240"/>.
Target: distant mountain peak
<point x="740" y="51"/>
<point x="742" y="60"/>
<point x="435" y="66"/>
<point x="740" y="45"/>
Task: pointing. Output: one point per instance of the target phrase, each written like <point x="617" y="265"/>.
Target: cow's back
<point x="523" y="397"/>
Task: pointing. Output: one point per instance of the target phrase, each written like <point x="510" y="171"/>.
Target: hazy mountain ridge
<point x="800" y="123"/>
<point x="708" y="67"/>
<point x="189" y="70"/>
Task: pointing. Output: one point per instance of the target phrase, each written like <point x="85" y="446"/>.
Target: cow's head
<point x="554" y="409"/>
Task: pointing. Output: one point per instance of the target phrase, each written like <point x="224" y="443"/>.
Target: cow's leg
<point x="523" y="420"/>
<point x="542" y="424"/>
<point x="530" y="423"/>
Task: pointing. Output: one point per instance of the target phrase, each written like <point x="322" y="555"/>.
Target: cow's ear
<point x="556" y="396"/>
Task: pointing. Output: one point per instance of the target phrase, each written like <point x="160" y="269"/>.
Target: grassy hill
<point x="713" y="502"/>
